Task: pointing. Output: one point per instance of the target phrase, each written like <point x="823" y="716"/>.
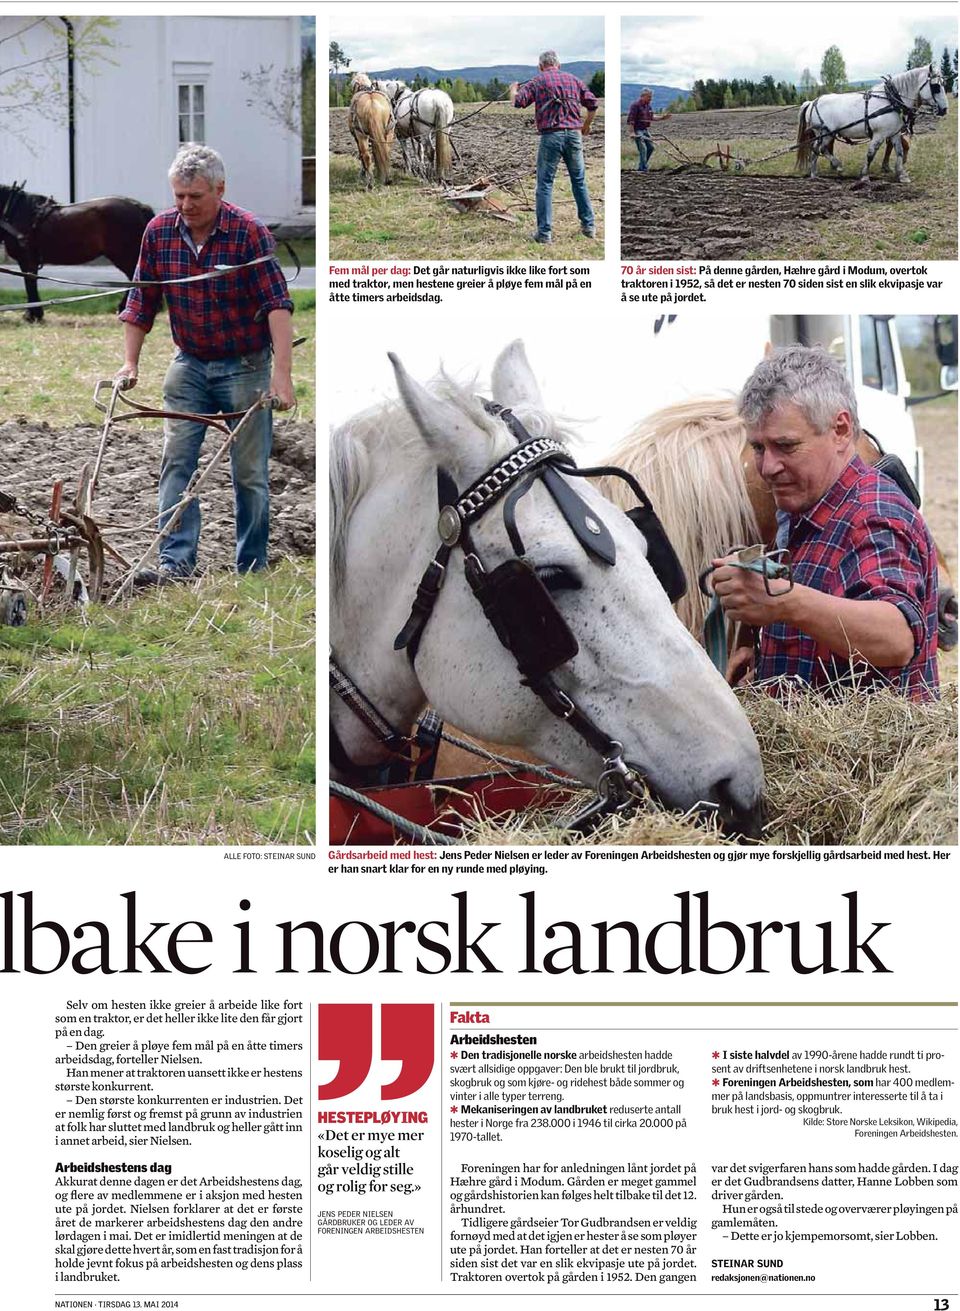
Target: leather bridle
<point x="515" y="600"/>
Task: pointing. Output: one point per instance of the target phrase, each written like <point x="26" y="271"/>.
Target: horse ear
<point x="513" y="381"/>
<point x="445" y="429"/>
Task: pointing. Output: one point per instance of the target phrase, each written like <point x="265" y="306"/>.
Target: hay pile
<point x="863" y="770"/>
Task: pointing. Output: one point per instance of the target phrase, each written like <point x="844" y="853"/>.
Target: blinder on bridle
<point x="514" y="598"/>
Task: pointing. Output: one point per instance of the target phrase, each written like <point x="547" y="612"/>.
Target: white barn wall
<point x="127" y="115"/>
<point x="41" y="157"/>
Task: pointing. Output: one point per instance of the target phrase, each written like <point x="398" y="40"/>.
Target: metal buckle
<point x="618" y="782"/>
<point x="449" y="525"/>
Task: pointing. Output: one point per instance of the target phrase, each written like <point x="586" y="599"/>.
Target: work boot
<point x="542" y="238"/>
<point x="161" y="577"/>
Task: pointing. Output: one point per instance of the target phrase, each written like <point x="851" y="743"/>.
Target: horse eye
<point x="558" y="578"/>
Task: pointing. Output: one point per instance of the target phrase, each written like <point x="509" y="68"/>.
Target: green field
<point x="185" y="717"/>
<point x="50" y="368"/>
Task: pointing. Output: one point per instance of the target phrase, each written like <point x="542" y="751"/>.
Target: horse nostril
<point x="737" y="819"/>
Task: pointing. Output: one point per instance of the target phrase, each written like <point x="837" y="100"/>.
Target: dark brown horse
<point x="37" y="231"/>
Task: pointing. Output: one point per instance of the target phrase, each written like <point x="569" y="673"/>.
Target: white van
<point x="701" y="355"/>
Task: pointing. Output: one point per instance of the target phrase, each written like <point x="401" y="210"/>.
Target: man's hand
<point x="280" y="324"/>
<point x="512" y="91"/>
<point x="281" y="386"/>
<point x="133" y="339"/>
<point x="875" y="631"/>
<point x="740" y="665"/>
<point x="742" y="594"/>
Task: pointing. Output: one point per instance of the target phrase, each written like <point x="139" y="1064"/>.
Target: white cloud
<point x="372" y="41"/>
<point x="733" y="43"/>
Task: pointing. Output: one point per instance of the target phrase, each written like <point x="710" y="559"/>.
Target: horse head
<point x="19" y="209"/>
<point x="392" y="88"/>
<point x="931" y="91"/>
<point x="360" y="82"/>
<point x="625" y="661"/>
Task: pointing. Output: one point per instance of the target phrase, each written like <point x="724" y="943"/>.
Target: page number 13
<point x="941" y="1304"/>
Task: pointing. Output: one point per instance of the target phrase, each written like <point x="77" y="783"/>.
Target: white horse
<point x="423" y="118"/>
<point x="879" y="115"/>
<point x="635" y="671"/>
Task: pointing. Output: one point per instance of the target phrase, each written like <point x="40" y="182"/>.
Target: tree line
<point x="743" y="93"/>
<point x="460" y="91"/>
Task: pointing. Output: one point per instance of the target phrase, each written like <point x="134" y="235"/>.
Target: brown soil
<point x="486" y="144"/>
<point x="700" y="213"/>
<point x="33" y="455"/>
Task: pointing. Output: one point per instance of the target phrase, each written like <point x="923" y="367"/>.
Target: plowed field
<point x="34" y="454"/>
<point x="701" y="213"/>
<point x="684" y="208"/>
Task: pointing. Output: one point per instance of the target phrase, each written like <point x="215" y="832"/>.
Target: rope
<point x="541" y="771"/>
<point x="221" y="270"/>
<point x="407" y="826"/>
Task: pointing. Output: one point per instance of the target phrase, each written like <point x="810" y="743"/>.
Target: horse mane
<point x="361" y="447"/>
<point x="907" y="82"/>
<point x="687" y="458"/>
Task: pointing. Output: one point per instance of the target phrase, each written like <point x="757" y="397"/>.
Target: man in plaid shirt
<point x="639" y="117"/>
<point x="863" y="608"/>
<point x="233" y="337"/>
<point x="557" y="97"/>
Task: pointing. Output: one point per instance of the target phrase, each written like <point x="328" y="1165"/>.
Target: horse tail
<point x="443" y="152"/>
<point x="804" y="137"/>
<point x="380" y="137"/>
<point x="687" y="458"/>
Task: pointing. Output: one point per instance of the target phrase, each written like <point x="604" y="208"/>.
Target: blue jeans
<point x="208" y="387"/>
<point x="554" y="146"/>
<point x="645" y="149"/>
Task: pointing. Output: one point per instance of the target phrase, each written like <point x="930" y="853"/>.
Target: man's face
<point x="646" y="97"/>
<point x="798" y="463"/>
<point x="197" y="202"/>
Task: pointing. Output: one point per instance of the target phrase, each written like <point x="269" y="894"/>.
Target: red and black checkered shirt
<point x="865" y="541"/>
<point x="640" y="115"/>
<point x="557" y="96"/>
<point x="222" y="316"/>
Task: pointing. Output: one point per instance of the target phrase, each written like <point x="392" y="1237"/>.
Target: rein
<point x="111" y="287"/>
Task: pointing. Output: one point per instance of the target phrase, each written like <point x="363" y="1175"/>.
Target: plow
<point x="60" y="557"/>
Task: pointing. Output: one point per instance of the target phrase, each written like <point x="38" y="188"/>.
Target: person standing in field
<point x="233" y="337"/>
<point x="639" y="117"/>
<point x="558" y="97"/>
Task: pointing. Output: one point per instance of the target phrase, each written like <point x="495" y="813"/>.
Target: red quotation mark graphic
<point x="346" y="1035"/>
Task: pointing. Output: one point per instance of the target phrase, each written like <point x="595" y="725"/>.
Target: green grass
<point x="408" y="220"/>
<point x="924" y="225"/>
<point x="49" y="369"/>
<point x="186" y="716"/>
<point x="305" y="248"/>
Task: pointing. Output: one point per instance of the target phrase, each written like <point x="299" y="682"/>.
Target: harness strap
<point x="399" y="746"/>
